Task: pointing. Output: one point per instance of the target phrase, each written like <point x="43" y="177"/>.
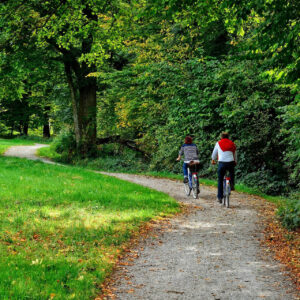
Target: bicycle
<point x="193" y="180"/>
<point x="226" y="191"/>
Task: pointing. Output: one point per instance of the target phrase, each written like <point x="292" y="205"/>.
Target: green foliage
<point x="266" y="181"/>
<point x="164" y="69"/>
<point x="110" y="157"/>
<point x="35" y="139"/>
<point x="49" y="152"/>
<point x="65" y="145"/>
<point x="62" y="42"/>
<point x="289" y="214"/>
<point x="163" y="102"/>
<point x="115" y="157"/>
<point x="291" y="125"/>
<point x="272" y="35"/>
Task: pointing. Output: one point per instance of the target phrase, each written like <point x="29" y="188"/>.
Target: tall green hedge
<point x="159" y="104"/>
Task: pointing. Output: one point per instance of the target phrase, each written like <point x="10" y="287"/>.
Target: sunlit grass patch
<point x="61" y="228"/>
<point x="48" y="152"/>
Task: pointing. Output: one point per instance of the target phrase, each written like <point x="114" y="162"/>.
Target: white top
<point x="223" y="156"/>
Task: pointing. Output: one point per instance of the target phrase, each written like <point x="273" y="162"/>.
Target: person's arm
<point x="214" y="155"/>
<point x="180" y="154"/>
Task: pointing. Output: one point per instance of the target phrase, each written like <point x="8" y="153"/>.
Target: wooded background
<point x="143" y="74"/>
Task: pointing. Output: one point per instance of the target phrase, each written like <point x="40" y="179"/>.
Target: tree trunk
<point x="46" y="131"/>
<point x="83" y="96"/>
<point x="25" y="129"/>
<point x="74" y="101"/>
<point x="87" y="122"/>
<point x="46" y="126"/>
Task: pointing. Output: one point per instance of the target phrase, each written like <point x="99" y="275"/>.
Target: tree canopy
<point x="146" y="73"/>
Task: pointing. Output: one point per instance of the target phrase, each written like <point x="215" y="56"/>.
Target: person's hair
<point x="224" y="135"/>
<point x="188" y="139"/>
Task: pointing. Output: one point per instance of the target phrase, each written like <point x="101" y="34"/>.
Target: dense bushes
<point x="289" y="214"/>
<point x="65" y="144"/>
<point x="159" y="104"/>
<point x="115" y="158"/>
<point x="266" y="182"/>
<point x="164" y="102"/>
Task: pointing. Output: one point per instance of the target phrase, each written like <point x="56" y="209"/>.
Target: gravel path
<point x="28" y="152"/>
<point x="210" y="253"/>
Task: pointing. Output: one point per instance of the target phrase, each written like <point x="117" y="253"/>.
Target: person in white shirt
<point x="225" y="153"/>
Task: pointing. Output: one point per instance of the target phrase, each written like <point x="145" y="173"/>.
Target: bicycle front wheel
<point x="195" y="186"/>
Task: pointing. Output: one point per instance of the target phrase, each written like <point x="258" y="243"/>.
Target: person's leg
<point x="221" y="173"/>
<point x="185" y="172"/>
<point x="190" y="179"/>
<point x="232" y="175"/>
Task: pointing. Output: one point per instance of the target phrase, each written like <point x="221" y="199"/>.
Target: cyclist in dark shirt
<point x="190" y="153"/>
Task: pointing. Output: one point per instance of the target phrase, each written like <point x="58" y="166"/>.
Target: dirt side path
<point x="212" y="253"/>
<point x="28" y="152"/>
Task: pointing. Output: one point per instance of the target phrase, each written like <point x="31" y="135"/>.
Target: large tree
<point x="28" y="77"/>
<point x="82" y="34"/>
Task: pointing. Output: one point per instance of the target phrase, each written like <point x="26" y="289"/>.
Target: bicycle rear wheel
<point x="227" y="201"/>
<point x="226" y="192"/>
<point x="195" y="186"/>
<point x="227" y="195"/>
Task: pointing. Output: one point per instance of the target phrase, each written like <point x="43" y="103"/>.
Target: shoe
<point x="219" y="200"/>
<point x="185" y="180"/>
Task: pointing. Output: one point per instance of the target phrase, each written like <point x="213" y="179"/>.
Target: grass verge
<point x="62" y="228"/>
<point x="48" y="152"/>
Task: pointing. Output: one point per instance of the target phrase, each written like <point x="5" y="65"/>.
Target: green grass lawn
<point x="61" y="228"/>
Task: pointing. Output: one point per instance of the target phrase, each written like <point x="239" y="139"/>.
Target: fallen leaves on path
<point x="284" y="244"/>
